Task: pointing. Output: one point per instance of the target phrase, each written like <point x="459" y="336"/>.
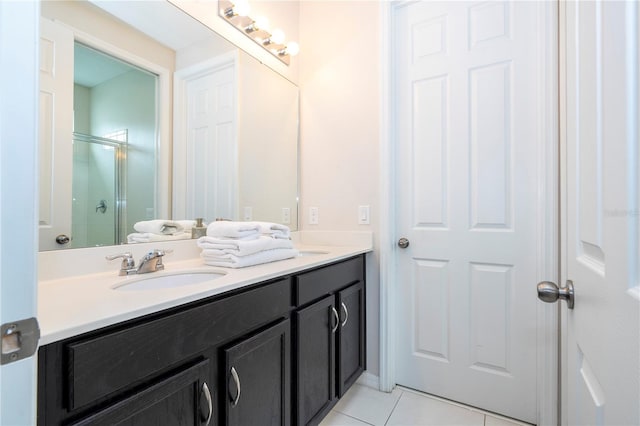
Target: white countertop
<point x="72" y="305"/>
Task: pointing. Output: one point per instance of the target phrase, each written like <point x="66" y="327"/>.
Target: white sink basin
<point x="158" y="282"/>
<point x="311" y="252"/>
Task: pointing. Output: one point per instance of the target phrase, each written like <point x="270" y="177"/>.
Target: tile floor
<point x="363" y="405"/>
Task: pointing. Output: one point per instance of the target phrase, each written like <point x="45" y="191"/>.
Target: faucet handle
<point x="128" y="262"/>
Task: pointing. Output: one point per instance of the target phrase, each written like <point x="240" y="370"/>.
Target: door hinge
<point x="19" y="340"/>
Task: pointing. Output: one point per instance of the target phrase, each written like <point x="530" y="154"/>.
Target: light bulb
<point x="241" y="8"/>
<point x="277" y="36"/>
<point x="261" y="23"/>
<point x="293" y="48"/>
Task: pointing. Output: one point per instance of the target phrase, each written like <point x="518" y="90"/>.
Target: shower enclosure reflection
<point x="98" y="207"/>
<point x="114" y="143"/>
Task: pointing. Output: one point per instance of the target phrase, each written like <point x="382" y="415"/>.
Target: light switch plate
<point x="313" y="216"/>
<point x="248" y="213"/>
<point x="363" y="215"/>
<point x="286" y="215"/>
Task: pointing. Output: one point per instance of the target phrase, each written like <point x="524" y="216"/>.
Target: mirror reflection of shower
<point x="114" y="147"/>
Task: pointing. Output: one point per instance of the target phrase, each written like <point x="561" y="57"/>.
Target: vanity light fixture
<point x="260" y="24"/>
<point x="237" y="12"/>
<point x="239" y="8"/>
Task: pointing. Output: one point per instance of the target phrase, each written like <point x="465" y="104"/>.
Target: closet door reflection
<point x="99" y="192"/>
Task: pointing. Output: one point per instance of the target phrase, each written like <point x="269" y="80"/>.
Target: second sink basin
<point x="158" y="282"/>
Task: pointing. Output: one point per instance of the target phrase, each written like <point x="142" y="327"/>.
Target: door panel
<point x="602" y="356"/>
<point x="468" y="134"/>
<point x="55" y="133"/>
<point x="211" y="136"/>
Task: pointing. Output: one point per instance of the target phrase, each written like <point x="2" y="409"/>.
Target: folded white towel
<point x="159" y="226"/>
<point x="229" y="229"/>
<point x="247" y="230"/>
<point x="148" y="237"/>
<point x="216" y="246"/>
<point x="274" y="230"/>
<point x="266" y="256"/>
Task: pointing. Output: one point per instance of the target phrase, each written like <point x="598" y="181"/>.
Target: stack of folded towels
<point x="161" y="230"/>
<point x="239" y="244"/>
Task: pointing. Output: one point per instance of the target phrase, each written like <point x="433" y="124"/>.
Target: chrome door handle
<point x="207" y="395"/>
<point x="550" y="293"/>
<point x="403" y="243"/>
<point x="337" y="318"/>
<point x="346" y="314"/>
<point x="236" y="379"/>
<point x="62" y="239"/>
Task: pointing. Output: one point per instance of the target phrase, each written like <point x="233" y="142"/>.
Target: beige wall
<point x="340" y="107"/>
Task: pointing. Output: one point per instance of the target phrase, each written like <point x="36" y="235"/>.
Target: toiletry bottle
<point x="199" y="230"/>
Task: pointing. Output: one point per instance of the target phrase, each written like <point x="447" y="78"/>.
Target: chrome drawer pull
<point x="236" y="379"/>
<point x="346" y="314"/>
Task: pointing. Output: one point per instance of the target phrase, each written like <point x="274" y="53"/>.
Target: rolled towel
<point x="225" y="229"/>
<point x="216" y="246"/>
<point x="159" y="227"/>
<point x="266" y="256"/>
<point x="148" y="237"/>
<point x="186" y="224"/>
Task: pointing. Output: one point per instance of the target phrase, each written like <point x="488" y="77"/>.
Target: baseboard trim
<point x="370" y="380"/>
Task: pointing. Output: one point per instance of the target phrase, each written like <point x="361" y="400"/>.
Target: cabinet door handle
<point x="346" y="314"/>
<point x="207" y="395"/>
<point x="337" y="319"/>
<point x="236" y="379"/>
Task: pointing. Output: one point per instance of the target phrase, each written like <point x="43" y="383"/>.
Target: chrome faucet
<point x="150" y="262"/>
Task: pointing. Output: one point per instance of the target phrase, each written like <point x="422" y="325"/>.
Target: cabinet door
<point x="351" y="339"/>
<point x="315" y="354"/>
<point x="182" y="399"/>
<point x="259" y="380"/>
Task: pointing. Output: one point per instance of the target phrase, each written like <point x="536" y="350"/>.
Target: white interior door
<point x="208" y="94"/>
<point x="56" y="131"/>
<point x="468" y="130"/>
<point x="18" y="198"/>
<point x="601" y="334"/>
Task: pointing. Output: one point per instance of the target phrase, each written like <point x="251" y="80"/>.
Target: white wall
<point x="267" y="142"/>
<point x="340" y="104"/>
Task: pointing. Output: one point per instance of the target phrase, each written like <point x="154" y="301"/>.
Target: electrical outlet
<point x="313" y="215"/>
<point x="248" y="213"/>
<point x="286" y="215"/>
<point x="149" y="213"/>
<point x="363" y="215"/>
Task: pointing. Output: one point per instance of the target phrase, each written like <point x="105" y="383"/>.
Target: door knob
<point x="62" y="239"/>
<point x="403" y="243"/>
<point x="550" y="293"/>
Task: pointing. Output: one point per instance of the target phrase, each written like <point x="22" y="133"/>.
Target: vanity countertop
<point x="78" y="304"/>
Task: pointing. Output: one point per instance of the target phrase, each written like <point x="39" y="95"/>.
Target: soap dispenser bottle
<point x="199" y="230"/>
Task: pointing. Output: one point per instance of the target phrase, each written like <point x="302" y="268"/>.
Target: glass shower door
<point x="98" y="191"/>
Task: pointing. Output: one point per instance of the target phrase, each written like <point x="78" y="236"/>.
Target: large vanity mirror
<point x="148" y="114"/>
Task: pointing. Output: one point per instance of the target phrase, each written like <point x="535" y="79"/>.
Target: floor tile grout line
<point x="394" y="407"/>
<point x="356" y="418"/>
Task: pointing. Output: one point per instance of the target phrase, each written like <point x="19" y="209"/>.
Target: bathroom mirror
<point x="248" y="173"/>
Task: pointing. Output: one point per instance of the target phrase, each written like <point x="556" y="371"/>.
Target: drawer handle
<point x="236" y="379"/>
<point x="337" y="319"/>
<point x="346" y="314"/>
<point x="207" y="395"/>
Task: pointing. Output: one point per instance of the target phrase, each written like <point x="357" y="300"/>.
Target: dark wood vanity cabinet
<point x="226" y="360"/>
<point x="330" y="337"/>
<point x="258" y="379"/>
